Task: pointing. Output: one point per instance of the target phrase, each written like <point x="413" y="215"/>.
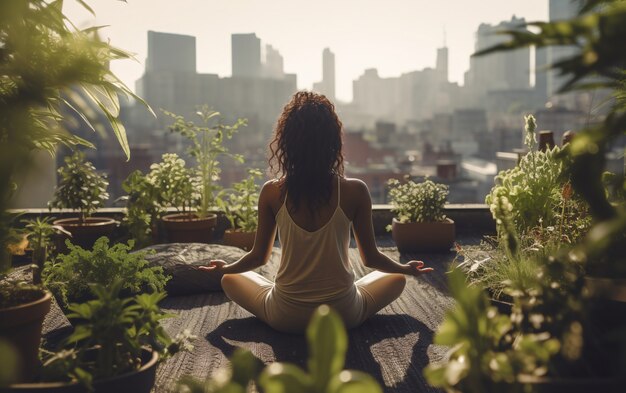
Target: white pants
<point x="256" y="294"/>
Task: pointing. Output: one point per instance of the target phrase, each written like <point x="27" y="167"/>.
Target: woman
<point x="313" y="207"/>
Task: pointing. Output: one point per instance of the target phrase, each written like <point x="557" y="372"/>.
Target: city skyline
<point x="358" y="41"/>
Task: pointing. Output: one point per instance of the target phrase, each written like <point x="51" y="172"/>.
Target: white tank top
<point x="314" y="266"/>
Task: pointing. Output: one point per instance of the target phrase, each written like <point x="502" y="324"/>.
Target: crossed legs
<point x="379" y="289"/>
<point x="250" y="289"/>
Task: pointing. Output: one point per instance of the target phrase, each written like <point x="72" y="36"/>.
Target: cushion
<point x="180" y="261"/>
<point x="56" y="326"/>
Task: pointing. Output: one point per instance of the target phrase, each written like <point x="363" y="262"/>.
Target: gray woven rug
<point x="393" y="346"/>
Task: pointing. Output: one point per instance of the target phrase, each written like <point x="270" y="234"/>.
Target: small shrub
<point x="69" y="277"/>
<point x="539" y="193"/>
<point x="175" y="185"/>
<point x="418" y="202"/>
<point x="142" y="209"/>
<point x="80" y="188"/>
<point x="206" y="145"/>
<point x="240" y="205"/>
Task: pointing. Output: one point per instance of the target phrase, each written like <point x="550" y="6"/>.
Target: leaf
<point x="120" y="132"/>
<point x="285" y="378"/>
<point x="80" y="114"/>
<point x="353" y="382"/>
<point x="328" y="344"/>
<point x="86" y="6"/>
<point x="246" y="367"/>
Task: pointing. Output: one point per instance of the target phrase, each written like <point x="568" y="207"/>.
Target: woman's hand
<point x="215" y="265"/>
<point x="416" y="268"/>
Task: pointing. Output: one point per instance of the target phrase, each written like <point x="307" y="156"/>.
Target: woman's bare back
<point x="305" y="219"/>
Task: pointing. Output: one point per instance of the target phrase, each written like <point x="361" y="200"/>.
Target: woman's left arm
<point x="263" y="242"/>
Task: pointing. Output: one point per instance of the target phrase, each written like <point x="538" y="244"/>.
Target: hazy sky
<point x="394" y="36"/>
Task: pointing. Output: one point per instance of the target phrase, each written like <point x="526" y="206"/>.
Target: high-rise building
<point x="246" y="55"/>
<point x="273" y="67"/>
<point x="541" y="74"/>
<point x="498" y="71"/>
<point x="171" y="52"/>
<point x="560" y="10"/>
<point x="257" y="91"/>
<point x="327" y="85"/>
<point x="328" y="72"/>
<point x="442" y="64"/>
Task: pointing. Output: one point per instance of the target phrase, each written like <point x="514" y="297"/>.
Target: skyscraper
<point x="442" y="64"/>
<point x="541" y="74"/>
<point x="273" y="67"/>
<point x="559" y="10"/>
<point x="246" y="55"/>
<point x="327" y="85"/>
<point x="171" y="52"/>
<point x="498" y="71"/>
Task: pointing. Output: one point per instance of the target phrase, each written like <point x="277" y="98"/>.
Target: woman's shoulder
<point x="354" y="185"/>
<point x="271" y="193"/>
<point x="272" y="187"/>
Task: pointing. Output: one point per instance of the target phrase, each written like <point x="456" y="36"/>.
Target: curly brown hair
<point x="306" y="151"/>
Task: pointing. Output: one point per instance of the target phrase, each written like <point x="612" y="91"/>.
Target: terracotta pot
<point x="189" y="228"/>
<point x="423" y="236"/>
<point x="243" y="240"/>
<point x="85" y="234"/>
<point x="140" y="381"/>
<point x="21" y="326"/>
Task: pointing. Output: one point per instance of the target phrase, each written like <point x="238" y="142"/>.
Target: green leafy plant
<point x="14" y="292"/>
<point x="175" y="185"/>
<point x="595" y="33"/>
<point x="245" y="368"/>
<point x="418" y="202"/>
<point x="240" y="205"/>
<point x="70" y="276"/>
<point x="39" y="232"/>
<point x="49" y="67"/>
<point x="533" y="187"/>
<point x="110" y="333"/>
<point x="142" y="209"/>
<point x="80" y="187"/>
<point x="536" y="214"/>
<point x="206" y="146"/>
<point x="555" y="306"/>
<point x="328" y="343"/>
<point x="488" y="354"/>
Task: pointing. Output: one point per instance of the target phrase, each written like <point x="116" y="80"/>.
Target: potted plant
<point x="142" y="209"/>
<point x="420" y="223"/>
<point x="44" y="60"/>
<point x="23" y="307"/>
<point x="70" y="275"/>
<point x="176" y="186"/>
<point x="40" y="232"/>
<point x="82" y="188"/>
<point x="206" y="147"/>
<point x="115" y="347"/>
<point x="240" y="210"/>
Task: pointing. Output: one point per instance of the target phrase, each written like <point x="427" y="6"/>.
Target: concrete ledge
<point x="470" y="219"/>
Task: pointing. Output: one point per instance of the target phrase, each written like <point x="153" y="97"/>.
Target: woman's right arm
<point x="364" y="235"/>
<point x="263" y="242"/>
